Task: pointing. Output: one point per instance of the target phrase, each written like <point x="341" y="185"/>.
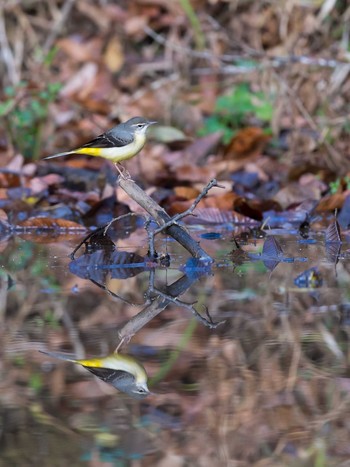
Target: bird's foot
<point x="122" y="171"/>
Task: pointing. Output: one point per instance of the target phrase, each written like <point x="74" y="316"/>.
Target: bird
<point x="120" y="370"/>
<point x="118" y="144"/>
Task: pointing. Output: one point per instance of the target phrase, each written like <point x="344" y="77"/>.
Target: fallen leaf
<point x="113" y="56"/>
<point x="84" y="80"/>
<point x="48" y="223"/>
<point x="332" y="234"/>
<point x="167" y="134"/>
<point x="79" y="51"/>
<point x="186" y="192"/>
<point x="192" y="173"/>
<point x="248" y="142"/>
<point x="295" y="193"/>
<point x="331" y="202"/>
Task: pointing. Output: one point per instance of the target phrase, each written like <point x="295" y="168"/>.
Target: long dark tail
<point x="60" y="154"/>
<point x="61" y="356"/>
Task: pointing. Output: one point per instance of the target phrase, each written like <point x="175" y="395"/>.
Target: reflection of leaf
<point x="120" y="265"/>
<point x="333" y="233"/>
<point x="272" y="248"/>
<point x="48" y="223"/>
<point x="272" y="253"/>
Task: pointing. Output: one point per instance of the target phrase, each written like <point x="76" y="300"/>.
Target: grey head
<point x="127" y="384"/>
<point x="126" y="131"/>
<point x="121" y="380"/>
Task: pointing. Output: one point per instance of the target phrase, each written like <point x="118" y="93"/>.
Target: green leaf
<point x="5" y="106"/>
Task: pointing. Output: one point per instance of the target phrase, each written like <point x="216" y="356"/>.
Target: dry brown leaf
<point x="49" y="223"/>
<point x="332" y="202"/>
<point x="248" y="142"/>
<point x="135" y="26"/>
<point x="186" y="192"/>
<point x="89" y="51"/>
<point x="39" y="184"/>
<point x="191" y="173"/>
<point x="100" y="16"/>
<point x="296" y="193"/>
<point x="113" y="56"/>
<point x="81" y="82"/>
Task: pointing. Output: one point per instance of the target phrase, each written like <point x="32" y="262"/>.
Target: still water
<point x="246" y="361"/>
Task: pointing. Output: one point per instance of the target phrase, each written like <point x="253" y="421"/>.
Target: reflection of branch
<point x="112" y="294"/>
<point x="163" y="219"/>
<point x="189" y="306"/>
<point x="159" y="303"/>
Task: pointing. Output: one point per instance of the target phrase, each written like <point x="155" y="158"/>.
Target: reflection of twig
<point x="190" y="306"/>
<point x="112" y="294"/>
<point x="84" y="240"/>
<point x="159" y="303"/>
<point x="103" y="229"/>
<point x="79" y="349"/>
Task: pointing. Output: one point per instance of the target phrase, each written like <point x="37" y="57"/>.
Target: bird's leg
<point x="120" y="344"/>
<point x="122" y="171"/>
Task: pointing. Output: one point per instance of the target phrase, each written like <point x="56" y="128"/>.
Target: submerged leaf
<point x="272" y="248"/>
<point x="272" y="253"/>
<point x="333" y="233"/>
<point x="48" y="223"/>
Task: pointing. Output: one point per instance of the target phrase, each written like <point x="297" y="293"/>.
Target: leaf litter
<point x="252" y="94"/>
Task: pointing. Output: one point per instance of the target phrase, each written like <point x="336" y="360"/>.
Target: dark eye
<point x="140" y="125"/>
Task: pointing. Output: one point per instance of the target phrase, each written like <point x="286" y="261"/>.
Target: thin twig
<point x="336" y="159"/>
<point x="103" y="229"/>
<point x="190" y="210"/>
<point x="7" y="53"/>
<point x="190" y="306"/>
<point x="269" y="61"/>
<point x="161" y="217"/>
<point x="59" y="24"/>
<point x="113" y="294"/>
<point x="174" y="220"/>
<point x="129" y="214"/>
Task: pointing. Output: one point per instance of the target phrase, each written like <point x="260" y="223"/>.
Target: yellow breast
<point x="117" y="154"/>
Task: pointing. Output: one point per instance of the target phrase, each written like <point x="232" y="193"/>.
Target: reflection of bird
<point x="118" y="144"/>
<point x="121" y="371"/>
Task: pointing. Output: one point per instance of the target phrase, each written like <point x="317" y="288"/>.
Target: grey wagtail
<point x="121" y="371"/>
<point x="118" y="144"/>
